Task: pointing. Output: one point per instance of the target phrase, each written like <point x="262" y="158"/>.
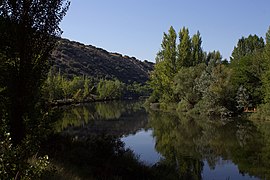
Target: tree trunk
<point x="17" y="126"/>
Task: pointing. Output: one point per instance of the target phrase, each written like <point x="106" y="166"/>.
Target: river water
<point x="168" y="145"/>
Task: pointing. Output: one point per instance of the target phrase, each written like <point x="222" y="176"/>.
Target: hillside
<point x="74" y="58"/>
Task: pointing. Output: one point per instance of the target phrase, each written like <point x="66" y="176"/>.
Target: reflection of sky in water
<point x="143" y="144"/>
<point x="224" y="170"/>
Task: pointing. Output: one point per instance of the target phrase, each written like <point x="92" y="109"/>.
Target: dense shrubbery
<point x="56" y="87"/>
<point x="20" y="162"/>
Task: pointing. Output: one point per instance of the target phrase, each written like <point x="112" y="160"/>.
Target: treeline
<point x="190" y="80"/>
<point x="58" y="89"/>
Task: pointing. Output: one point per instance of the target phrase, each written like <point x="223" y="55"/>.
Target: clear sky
<point x="135" y="27"/>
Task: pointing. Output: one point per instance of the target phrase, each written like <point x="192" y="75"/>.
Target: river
<point x="122" y="140"/>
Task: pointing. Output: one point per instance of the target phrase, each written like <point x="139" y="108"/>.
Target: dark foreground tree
<point x="28" y="33"/>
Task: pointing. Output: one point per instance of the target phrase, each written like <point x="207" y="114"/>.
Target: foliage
<point x="57" y="87"/>
<point x="266" y="73"/>
<point x="136" y="90"/>
<point x="242" y="98"/>
<point x="204" y="82"/>
<point x="28" y="33"/>
<point x="161" y="83"/>
<point x="165" y="68"/>
<point x="184" y="49"/>
<point x="247" y="72"/>
<point x="219" y="95"/>
<point x="262" y="114"/>
<point x="213" y="57"/>
<point x="248" y="65"/>
<point x="251" y="70"/>
<point x="263" y="109"/>
<point x="52" y="88"/>
<point x="109" y="89"/>
<point x="14" y="163"/>
<point x="185" y="82"/>
<point x="169" y="51"/>
<point x="24" y="59"/>
<point x="197" y="55"/>
<point x="170" y="60"/>
<point x="81" y="88"/>
<point x="247" y="46"/>
<point x="86" y="90"/>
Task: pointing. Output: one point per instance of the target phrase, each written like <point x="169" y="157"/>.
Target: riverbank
<point x="66" y="102"/>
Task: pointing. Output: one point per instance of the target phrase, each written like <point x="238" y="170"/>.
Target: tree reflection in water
<point x="87" y="144"/>
<point x="187" y="142"/>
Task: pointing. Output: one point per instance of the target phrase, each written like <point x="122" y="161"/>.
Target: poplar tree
<point x="213" y="57"/>
<point x="169" y="51"/>
<point x="184" y="49"/>
<point x="197" y="52"/>
<point x="165" y="68"/>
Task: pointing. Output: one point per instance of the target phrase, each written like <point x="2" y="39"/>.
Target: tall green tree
<point x="213" y="57"/>
<point x="247" y="46"/>
<point x="28" y="33"/>
<point x="197" y="51"/>
<point x="165" y="68"/>
<point x="169" y="51"/>
<point x="184" y="49"/>
<point x="171" y="59"/>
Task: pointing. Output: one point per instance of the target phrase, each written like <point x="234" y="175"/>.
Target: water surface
<point x="143" y="144"/>
<point x="176" y="146"/>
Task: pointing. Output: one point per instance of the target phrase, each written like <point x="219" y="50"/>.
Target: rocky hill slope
<point x="74" y="58"/>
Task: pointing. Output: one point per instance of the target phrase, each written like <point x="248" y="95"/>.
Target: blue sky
<point x="135" y="27"/>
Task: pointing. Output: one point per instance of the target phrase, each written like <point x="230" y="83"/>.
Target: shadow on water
<point x="87" y="145"/>
<point x="94" y="157"/>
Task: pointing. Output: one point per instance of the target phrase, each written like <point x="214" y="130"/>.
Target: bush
<point x="14" y="163"/>
<point x="57" y="87"/>
<point x="262" y="114"/>
<point x="110" y="89"/>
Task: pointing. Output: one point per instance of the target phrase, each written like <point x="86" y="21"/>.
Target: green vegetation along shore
<point x="189" y="80"/>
